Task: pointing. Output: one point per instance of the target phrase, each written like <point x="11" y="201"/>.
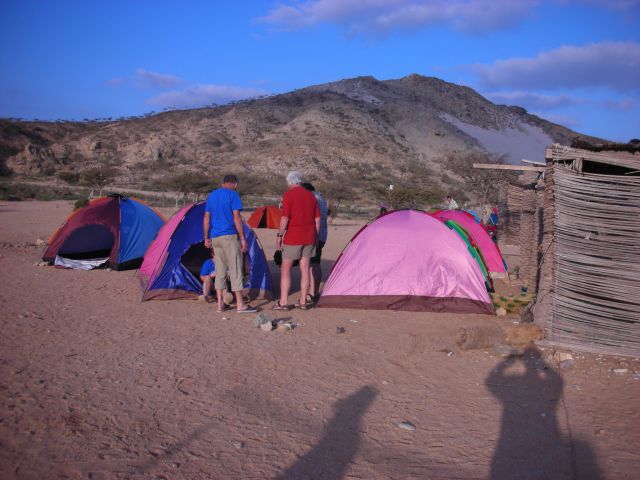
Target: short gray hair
<point x="294" y="178"/>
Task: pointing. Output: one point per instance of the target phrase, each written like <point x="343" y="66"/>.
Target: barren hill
<point x="357" y="131"/>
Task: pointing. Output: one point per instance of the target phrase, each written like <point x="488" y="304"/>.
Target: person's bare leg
<point x="220" y="295"/>
<point x="239" y="300"/>
<point x="285" y="280"/>
<point x="305" y="274"/>
<point x="206" y="286"/>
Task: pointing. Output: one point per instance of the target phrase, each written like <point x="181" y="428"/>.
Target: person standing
<point x="297" y="236"/>
<point x="451" y="203"/>
<point x="323" y="233"/>
<point x="224" y="233"/>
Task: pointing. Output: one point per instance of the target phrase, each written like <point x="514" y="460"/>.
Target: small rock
<point x="599" y="431"/>
<point x="501" y="311"/>
<point x="340" y="330"/>
<point x="562" y="356"/>
<point x="266" y="327"/>
<point x="567" y="364"/>
<point x="284" y="327"/>
<point x="620" y="370"/>
<point x="262" y="318"/>
<point x="238" y="444"/>
<point x="407" y="426"/>
<point x="40" y="241"/>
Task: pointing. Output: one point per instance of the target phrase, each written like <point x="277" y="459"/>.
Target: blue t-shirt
<point x="220" y="204"/>
<point x="208" y="267"/>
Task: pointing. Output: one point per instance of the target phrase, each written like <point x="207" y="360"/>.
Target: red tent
<point x="265" y="217"/>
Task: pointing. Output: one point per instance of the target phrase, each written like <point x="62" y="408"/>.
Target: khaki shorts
<point x="296" y="252"/>
<point x="228" y="251"/>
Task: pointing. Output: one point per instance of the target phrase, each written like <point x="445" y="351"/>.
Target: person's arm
<point x="317" y="214"/>
<point x="237" y="221"/>
<point x="205" y="228"/>
<point x="284" y="222"/>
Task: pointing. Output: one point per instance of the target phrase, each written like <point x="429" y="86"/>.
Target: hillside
<point x="358" y="132"/>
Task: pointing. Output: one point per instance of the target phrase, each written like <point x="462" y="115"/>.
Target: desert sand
<point x="95" y="384"/>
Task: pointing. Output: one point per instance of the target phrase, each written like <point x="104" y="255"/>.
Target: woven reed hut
<point x="588" y="255"/>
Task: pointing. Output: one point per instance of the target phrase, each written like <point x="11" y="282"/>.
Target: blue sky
<point x="573" y="62"/>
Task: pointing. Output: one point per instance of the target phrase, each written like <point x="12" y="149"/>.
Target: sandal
<point x="311" y="298"/>
<point x="248" y="309"/>
<point x="303" y="306"/>
<point x="278" y="306"/>
<point x="224" y="307"/>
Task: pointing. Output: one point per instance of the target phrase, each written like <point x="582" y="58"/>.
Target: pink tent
<point x="487" y="247"/>
<point x="407" y="260"/>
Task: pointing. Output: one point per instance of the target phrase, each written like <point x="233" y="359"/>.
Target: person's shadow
<point x="530" y="444"/>
<point x="331" y="457"/>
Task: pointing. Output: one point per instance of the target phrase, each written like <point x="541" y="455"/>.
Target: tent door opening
<point x="88" y="242"/>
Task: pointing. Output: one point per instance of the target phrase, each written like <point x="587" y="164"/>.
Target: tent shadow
<point x="531" y="445"/>
<point x="331" y="457"/>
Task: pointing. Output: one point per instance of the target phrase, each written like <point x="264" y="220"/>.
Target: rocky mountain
<point x="350" y="132"/>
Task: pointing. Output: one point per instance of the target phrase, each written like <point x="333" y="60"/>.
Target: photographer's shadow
<point x="531" y="445"/>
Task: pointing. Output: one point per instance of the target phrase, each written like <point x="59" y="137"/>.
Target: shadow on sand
<point x="531" y="445"/>
<point x="331" y="457"/>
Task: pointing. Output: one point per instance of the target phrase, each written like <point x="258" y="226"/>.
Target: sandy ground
<point x="95" y="384"/>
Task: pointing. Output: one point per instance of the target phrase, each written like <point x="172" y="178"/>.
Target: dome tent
<point x="483" y="242"/>
<point x="265" y="217"/>
<point x="407" y="260"/>
<point x="172" y="263"/>
<point x="113" y="230"/>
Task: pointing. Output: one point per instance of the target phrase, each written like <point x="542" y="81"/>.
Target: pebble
<point x="567" y="364"/>
<point x="238" y="444"/>
<point x="266" y="327"/>
<point x="620" y="370"/>
<point x="407" y="426"/>
<point x="340" y="330"/>
<point x="501" y="312"/>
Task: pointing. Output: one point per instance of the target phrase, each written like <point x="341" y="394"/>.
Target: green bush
<point x="82" y="202"/>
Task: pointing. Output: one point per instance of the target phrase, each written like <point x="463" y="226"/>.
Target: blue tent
<point x="116" y="227"/>
<point x="172" y="263"/>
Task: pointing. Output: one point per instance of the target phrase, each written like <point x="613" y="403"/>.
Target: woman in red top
<point x="297" y="238"/>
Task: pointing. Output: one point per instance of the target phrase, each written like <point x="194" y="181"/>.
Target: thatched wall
<point x="589" y="288"/>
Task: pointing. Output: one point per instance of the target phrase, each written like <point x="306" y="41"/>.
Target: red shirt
<point x="301" y="207"/>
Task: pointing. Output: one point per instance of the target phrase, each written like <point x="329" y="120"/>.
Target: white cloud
<point x="531" y="100"/>
<point x="622" y="105"/>
<point x="382" y="16"/>
<point x="201" y="95"/>
<point x="116" y="82"/>
<point x="146" y="78"/>
<point x="614" y="65"/>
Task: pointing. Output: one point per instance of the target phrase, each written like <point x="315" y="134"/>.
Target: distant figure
<point x="224" y="233"/>
<point x="297" y="236"/>
<point x="492" y="226"/>
<point x="333" y="212"/>
<point x="316" y="268"/>
<point x="451" y="203"/>
<point x="384" y="208"/>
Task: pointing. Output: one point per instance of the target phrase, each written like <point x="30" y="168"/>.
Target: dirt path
<point x="95" y="384"/>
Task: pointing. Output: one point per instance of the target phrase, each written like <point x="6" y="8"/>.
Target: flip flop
<point x="248" y="309"/>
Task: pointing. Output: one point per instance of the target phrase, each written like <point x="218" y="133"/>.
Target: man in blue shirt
<point x="222" y="228"/>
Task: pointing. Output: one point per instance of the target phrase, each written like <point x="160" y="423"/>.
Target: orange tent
<point x="265" y="217"/>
